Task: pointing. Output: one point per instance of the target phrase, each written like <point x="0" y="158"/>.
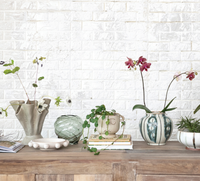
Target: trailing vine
<point x="99" y="113"/>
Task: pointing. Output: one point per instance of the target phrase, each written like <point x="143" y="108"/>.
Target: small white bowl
<point x="189" y="139"/>
<point x="48" y="143"/>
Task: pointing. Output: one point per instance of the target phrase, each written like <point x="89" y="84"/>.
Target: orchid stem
<point x="170" y="85"/>
<point x="143" y="88"/>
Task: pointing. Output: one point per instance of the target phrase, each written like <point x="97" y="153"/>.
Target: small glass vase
<point x="156" y="128"/>
<point x="69" y="127"/>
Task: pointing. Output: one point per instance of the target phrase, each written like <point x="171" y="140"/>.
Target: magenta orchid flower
<point x="130" y="63"/>
<point x="141" y="60"/>
<point x="191" y="75"/>
<point x="145" y="66"/>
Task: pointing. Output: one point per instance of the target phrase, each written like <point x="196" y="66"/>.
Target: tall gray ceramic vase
<point x="30" y="119"/>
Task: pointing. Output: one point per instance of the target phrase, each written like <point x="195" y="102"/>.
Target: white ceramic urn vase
<point x="112" y="127"/>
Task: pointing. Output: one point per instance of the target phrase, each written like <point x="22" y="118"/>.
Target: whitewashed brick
<point x="92" y="6"/>
<point x="7" y="5"/>
<point x="115" y="6"/>
<point x="26" y="5"/>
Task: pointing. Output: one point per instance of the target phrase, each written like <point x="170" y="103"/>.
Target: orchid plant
<point x="143" y="65"/>
<point x="14" y="70"/>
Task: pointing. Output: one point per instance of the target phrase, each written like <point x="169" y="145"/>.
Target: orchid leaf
<point x="40" y="78"/>
<point x="7" y="71"/>
<point x="140" y="106"/>
<point x="15" y="69"/>
<point x="165" y="108"/>
<point x="170" y="109"/>
<point x="197" y="109"/>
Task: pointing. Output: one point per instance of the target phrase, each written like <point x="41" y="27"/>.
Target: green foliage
<point x="34" y="85"/>
<point x="40" y="78"/>
<point x="7" y="71"/>
<point x="197" y="109"/>
<point x="58" y="101"/>
<point x="192" y="124"/>
<point x="166" y="107"/>
<point x="15" y="69"/>
<point x="9" y="64"/>
<point x="140" y="106"/>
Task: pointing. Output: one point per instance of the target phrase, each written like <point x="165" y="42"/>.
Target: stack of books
<point x="10" y="147"/>
<point x="116" y="143"/>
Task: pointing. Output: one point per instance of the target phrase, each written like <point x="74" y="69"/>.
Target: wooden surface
<point x="142" y="163"/>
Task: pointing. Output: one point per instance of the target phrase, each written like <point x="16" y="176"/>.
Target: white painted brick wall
<point x="86" y="43"/>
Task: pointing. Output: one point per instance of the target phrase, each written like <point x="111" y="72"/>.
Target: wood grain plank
<point x="124" y="171"/>
<point x="98" y="177"/>
<point x="84" y="177"/>
<point x="167" y="178"/>
<point x="54" y="177"/>
<point x="174" y="167"/>
<point x="17" y="177"/>
<point x="3" y="177"/>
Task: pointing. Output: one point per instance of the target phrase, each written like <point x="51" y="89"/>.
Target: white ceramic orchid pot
<point x="112" y="127"/>
<point x="31" y="117"/>
<point x="156" y="128"/>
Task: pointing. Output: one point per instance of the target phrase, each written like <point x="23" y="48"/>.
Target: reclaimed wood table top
<point x="172" y="157"/>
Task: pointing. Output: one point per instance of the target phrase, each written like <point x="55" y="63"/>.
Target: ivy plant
<point x="93" y="118"/>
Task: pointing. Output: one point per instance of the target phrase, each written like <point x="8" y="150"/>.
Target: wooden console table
<point x="143" y="163"/>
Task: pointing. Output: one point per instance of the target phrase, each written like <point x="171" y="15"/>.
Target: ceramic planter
<point x="156" y="128"/>
<point x="30" y="119"/>
<point x="113" y="126"/>
<point x="189" y="139"/>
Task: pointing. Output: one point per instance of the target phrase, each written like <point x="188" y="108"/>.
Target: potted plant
<point x="31" y="114"/>
<point x="155" y="127"/>
<point x="189" y="132"/>
<point x="107" y="123"/>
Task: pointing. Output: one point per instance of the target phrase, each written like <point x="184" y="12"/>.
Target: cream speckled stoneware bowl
<point x="48" y="143"/>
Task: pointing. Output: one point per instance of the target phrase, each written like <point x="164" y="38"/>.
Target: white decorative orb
<point x="35" y="145"/>
<point x="57" y="145"/>
<point x="30" y="144"/>
<point x="65" y="144"/>
<point x="46" y="146"/>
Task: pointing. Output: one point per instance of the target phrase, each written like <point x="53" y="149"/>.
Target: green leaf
<point x="85" y="141"/>
<point x="97" y="153"/>
<point x="93" y="149"/>
<point x="113" y="111"/>
<point x="93" y="110"/>
<point x="100" y="137"/>
<point x="197" y="109"/>
<point x="170" y="109"/>
<point x="165" y="108"/>
<point x="107" y="122"/>
<point x="58" y="101"/>
<point x="140" y="106"/>
<point x="96" y="124"/>
<point x="88" y="116"/>
<point x="95" y="129"/>
<point x="15" y="69"/>
<point x="92" y="115"/>
<point x="88" y="125"/>
<point x="106" y="133"/>
<point x="42" y="58"/>
<point x="9" y="64"/>
<point x="7" y="71"/>
<point x="103" y="116"/>
<point x="34" y="85"/>
<point x="92" y="120"/>
<point x="40" y="78"/>
<point x="84" y="125"/>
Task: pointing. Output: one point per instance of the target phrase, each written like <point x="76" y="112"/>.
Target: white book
<point x="108" y="143"/>
<point x="112" y="147"/>
<point x="10" y="147"/>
